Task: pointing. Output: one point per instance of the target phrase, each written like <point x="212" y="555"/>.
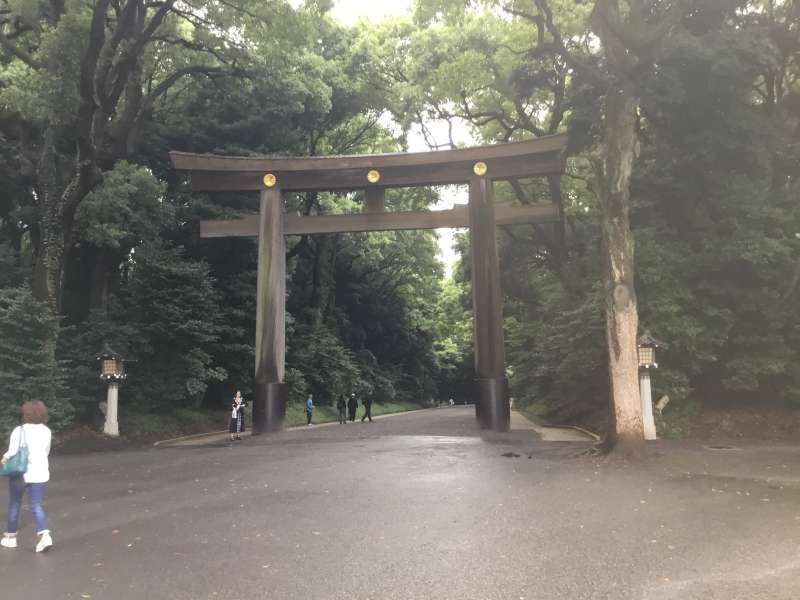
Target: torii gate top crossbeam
<point x="531" y="158"/>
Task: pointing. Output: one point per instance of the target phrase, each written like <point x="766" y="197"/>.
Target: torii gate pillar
<point x="491" y="387"/>
<point x="271" y="394"/>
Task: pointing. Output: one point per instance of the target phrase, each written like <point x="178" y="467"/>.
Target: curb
<point x="586" y="431"/>
<point x="537" y="422"/>
<point x="292" y="428"/>
<point x="574" y="427"/>
<point x="189" y="437"/>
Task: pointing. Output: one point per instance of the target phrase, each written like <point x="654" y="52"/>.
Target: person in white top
<point x="37" y="436"/>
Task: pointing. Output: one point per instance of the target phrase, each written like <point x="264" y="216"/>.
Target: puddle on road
<point x="438" y="440"/>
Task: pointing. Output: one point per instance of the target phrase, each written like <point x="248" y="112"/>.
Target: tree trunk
<point x="622" y="319"/>
<point x="48" y="255"/>
<point x="320" y="281"/>
<point x="57" y="204"/>
<point x="557" y="198"/>
<point x="102" y="266"/>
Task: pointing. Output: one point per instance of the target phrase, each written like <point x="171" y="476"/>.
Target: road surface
<point x="417" y="507"/>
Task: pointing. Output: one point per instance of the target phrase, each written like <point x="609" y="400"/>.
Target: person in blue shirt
<point x="309" y="408"/>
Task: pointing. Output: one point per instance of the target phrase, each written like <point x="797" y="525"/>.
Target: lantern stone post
<point x="647" y="360"/>
<point x="111" y="426"/>
<point x="112" y="370"/>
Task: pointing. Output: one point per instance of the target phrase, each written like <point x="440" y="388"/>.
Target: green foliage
<point x="169" y="306"/>
<point x="12" y="274"/>
<point x="715" y="210"/>
<point x="453" y="341"/>
<point x="125" y="209"/>
<point x="170" y="423"/>
<point x="677" y="419"/>
<point x="714" y="197"/>
<point x="27" y="369"/>
<point x="77" y="345"/>
<point x="296" y="412"/>
<point x="364" y="314"/>
<point x="557" y="357"/>
<point x="334" y="369"/>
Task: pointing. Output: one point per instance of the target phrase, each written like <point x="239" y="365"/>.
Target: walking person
<point x="341" y="405"/>
<point x="309" y="408"/>
<point x="236" y="427"/>
<point x="352" y="406"/>
<point x="367" y="402"/>
<point x="34" y="435"/>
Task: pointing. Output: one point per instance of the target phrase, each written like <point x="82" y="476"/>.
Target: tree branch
<point x="544" y="22"/>
<point x="297" y="248"/>
<point x="152" y="26"/>
<point x="125" y="27"/>
<point x="189" y="45"/>
<point x="86" y="132"/>
<point x="526" y="120"/>
<point x="19" y="53"/>
<point x="172" y="79"/>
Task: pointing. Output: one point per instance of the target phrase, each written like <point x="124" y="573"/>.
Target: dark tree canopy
<point x="99" y="238"/>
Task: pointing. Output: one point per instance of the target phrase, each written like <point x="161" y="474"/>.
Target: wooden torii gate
<point x="479" y="167"/>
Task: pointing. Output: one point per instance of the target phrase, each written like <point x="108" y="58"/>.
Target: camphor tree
<point x="592" y="65"/>
<point x="77" y="80"/>
<point x="631" y="34"/>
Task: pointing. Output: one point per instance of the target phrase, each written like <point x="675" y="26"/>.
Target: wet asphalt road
<point x="413" y="507"/>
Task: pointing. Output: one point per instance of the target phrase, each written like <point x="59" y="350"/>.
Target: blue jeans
<point x="16" y="489"/>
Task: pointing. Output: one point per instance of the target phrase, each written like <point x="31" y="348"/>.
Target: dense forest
<point x="694" y="105"/>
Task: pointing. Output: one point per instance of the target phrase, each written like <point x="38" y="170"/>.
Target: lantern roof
<point x="647" y="339"/>
<point x="108" y="352"/>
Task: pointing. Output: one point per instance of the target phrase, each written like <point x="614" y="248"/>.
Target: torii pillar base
<point x="492" y="408"/>
<point x="269" y="408"/>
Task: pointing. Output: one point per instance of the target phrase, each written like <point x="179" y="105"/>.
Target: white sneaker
<point x="45" y="542"/>
<point x="8" y="541"/>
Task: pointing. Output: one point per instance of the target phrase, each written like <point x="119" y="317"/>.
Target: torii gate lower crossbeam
<point x="478" y="167"/>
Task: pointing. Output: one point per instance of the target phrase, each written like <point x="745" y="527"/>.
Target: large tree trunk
<point x="57" y="204"/>
<point x="48" y="255"/>
<point x="51" y="251"/>
<point x="321" y="274"/>
<point x="622" y="319"/>
<point x="102" y="265"/>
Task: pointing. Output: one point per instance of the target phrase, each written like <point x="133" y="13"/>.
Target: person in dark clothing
<point x="341" y="404"/>
<point x="236" y="426"/>
<point x="352" y="406"/>
<point x="367" y="402"/>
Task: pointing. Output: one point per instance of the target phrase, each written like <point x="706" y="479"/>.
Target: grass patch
<point x="296" y="413"/>
<point x="138" y="427"/>
<point x="677" y="421"/>
<point x="534" y="409"/>
<point x="180" y="421"/>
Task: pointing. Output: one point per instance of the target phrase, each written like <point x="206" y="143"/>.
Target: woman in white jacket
<point x="36" y="435"/>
